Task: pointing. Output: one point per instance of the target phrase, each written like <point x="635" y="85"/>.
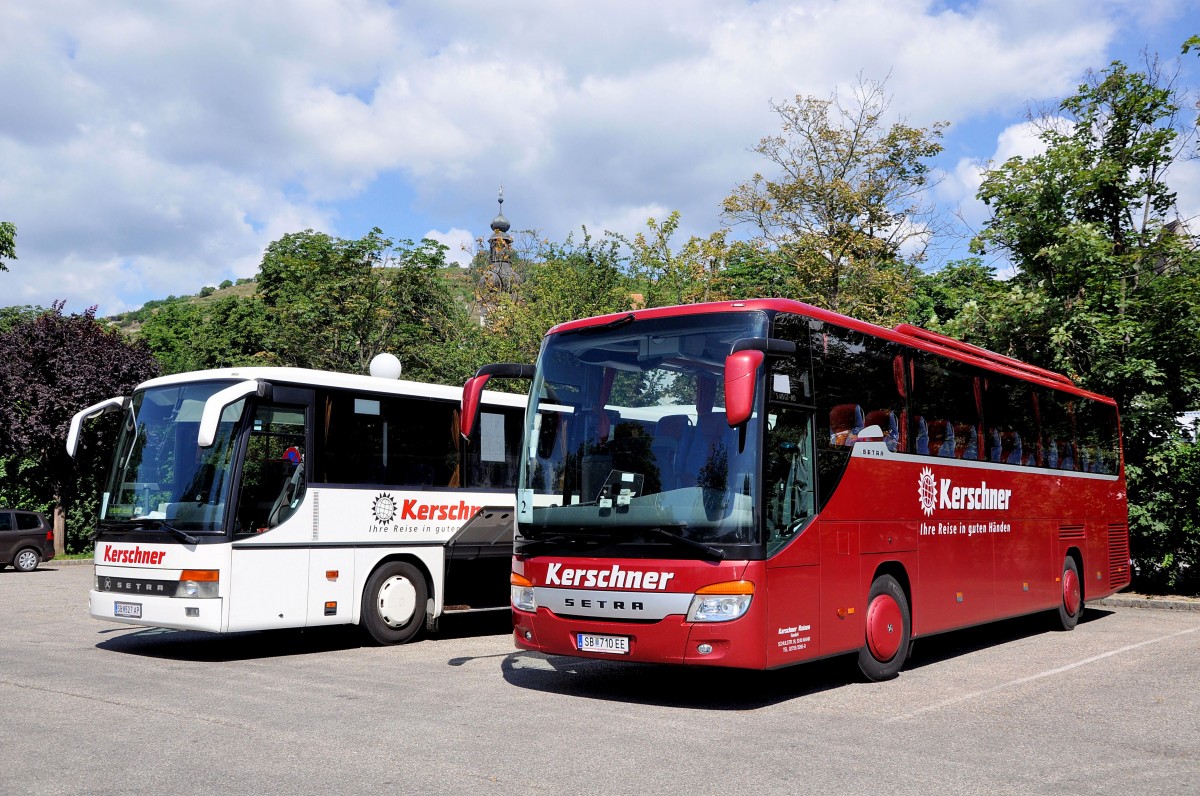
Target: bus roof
<point x="305" y="377"/>
<point x="905" y="334"/>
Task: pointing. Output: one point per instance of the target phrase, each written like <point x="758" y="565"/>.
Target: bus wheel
<point x="1070" y="608"/>
<point x="889" y="630"/>
<point x="393" y="607"/>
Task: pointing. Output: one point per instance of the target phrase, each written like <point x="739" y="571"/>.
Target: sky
<point x="150" y="149"/>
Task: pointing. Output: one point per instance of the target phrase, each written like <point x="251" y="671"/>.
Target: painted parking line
<point x="1048" y="673"/>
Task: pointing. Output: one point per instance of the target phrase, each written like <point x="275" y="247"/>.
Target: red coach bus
<point x="760" y="483"/>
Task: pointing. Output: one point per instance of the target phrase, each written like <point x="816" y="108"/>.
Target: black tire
<point x="393" y="605"/>
<point x="26" y="560"/>
<point x="885" y="646"/>
<point x="1070" y="605"/>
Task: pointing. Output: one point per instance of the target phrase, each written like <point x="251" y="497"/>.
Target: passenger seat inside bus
<point x="709" y="436"/>
<point x="668" y="433"/>
<point x="941" y="438"/>
<point x="886" y="420"/>
<point x="845" y="421"/>
<point x="966" y="441"/>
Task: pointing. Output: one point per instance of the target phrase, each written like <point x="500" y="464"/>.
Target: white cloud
<point x="153" y="149"/>
<point x="461" y="244"/>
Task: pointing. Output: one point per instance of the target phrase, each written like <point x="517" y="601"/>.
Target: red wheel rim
<point x="885" y="627"/>
<point x="1070" y="592"/>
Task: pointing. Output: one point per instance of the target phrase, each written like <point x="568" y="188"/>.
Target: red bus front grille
<point x="1118" y="555"/>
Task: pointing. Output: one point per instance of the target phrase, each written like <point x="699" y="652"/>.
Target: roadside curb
<point x="1138" y="601"/>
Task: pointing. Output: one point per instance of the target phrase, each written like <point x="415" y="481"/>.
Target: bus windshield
<point x="161" y="478"/>
<point x="627" y="439"/>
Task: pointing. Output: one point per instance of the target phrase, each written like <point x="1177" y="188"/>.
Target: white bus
<point x="258" y="498"/>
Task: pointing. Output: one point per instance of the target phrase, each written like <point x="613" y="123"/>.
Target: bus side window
<point x="493" y="455"/>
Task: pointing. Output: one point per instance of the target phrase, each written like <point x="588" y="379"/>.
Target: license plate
<point x="131" y="610"/>
<point x="613" y="645"/>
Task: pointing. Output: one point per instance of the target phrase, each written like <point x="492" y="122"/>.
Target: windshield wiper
<point x="538" y="542"/>
<point x="178" y="533"/>
<point x="145" y="525"/>
<point x="708" y="550"/>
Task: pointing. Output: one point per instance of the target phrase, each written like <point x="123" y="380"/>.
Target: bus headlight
<point x="198" y="584"/>
<point x="721" y="602"/>
<point x="522" y="593"/>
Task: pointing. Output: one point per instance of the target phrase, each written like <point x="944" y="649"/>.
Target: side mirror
<point x="471" y="395"/>
<point x="473" y="390"/>
<point x="741" y="367"/>
<point x="94" y="411"/>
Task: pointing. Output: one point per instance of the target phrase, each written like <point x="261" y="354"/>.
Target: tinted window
<point x="27" y="521"/>
<point x="945" y="409"/>
<point x="6" y="521"/>
<point x="860" y="383"/>
<point x="386" y="440"/>
<point x="493" y="456"/>
<point x="1011" y="422"/>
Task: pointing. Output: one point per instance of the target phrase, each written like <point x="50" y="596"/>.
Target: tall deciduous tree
<point x="665" y="276"/>
<point x="1107" y="283"/>
<point x="844" y="205"/>
<point x="334" y="304"/>
<point x="227" y="332"/>
<point x="52" y="366"/>
<point x="1091" y="225"/>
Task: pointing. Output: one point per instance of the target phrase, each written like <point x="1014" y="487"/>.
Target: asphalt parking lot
<point x="94" y="707"/>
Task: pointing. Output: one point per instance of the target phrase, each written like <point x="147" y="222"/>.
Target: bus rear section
<point x="758" y="484"/>
<point x="272" y="498"/>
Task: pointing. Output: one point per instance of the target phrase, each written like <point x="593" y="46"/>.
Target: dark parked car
<point x="26" y="539"/>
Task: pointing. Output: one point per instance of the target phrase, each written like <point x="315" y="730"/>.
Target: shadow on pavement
<point x="192" y="645"/>
<point x="731" y="689"/>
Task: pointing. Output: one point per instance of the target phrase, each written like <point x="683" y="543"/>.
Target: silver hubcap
<point x="26" y="559"/>
<point x="397" y="601"/>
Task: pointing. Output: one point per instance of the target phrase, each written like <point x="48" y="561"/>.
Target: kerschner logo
<point x="927" y="492"/>
<point x="384" y="508"/>
<point x="935" y="493"/>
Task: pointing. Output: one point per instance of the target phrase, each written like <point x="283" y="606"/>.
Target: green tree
<point x="51" y="367"/>
<point x="1167" y="516"/>
<point x="665" y="276"/>
<point x="567" y="281"/>
<point x="845" y="204"/>
<point x="8" y="243"/>
<point x="1107" y="280"/>
<point x="223" y="333"/>
<point x="1091" y="225"/>
<point x="333" y="304"/>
